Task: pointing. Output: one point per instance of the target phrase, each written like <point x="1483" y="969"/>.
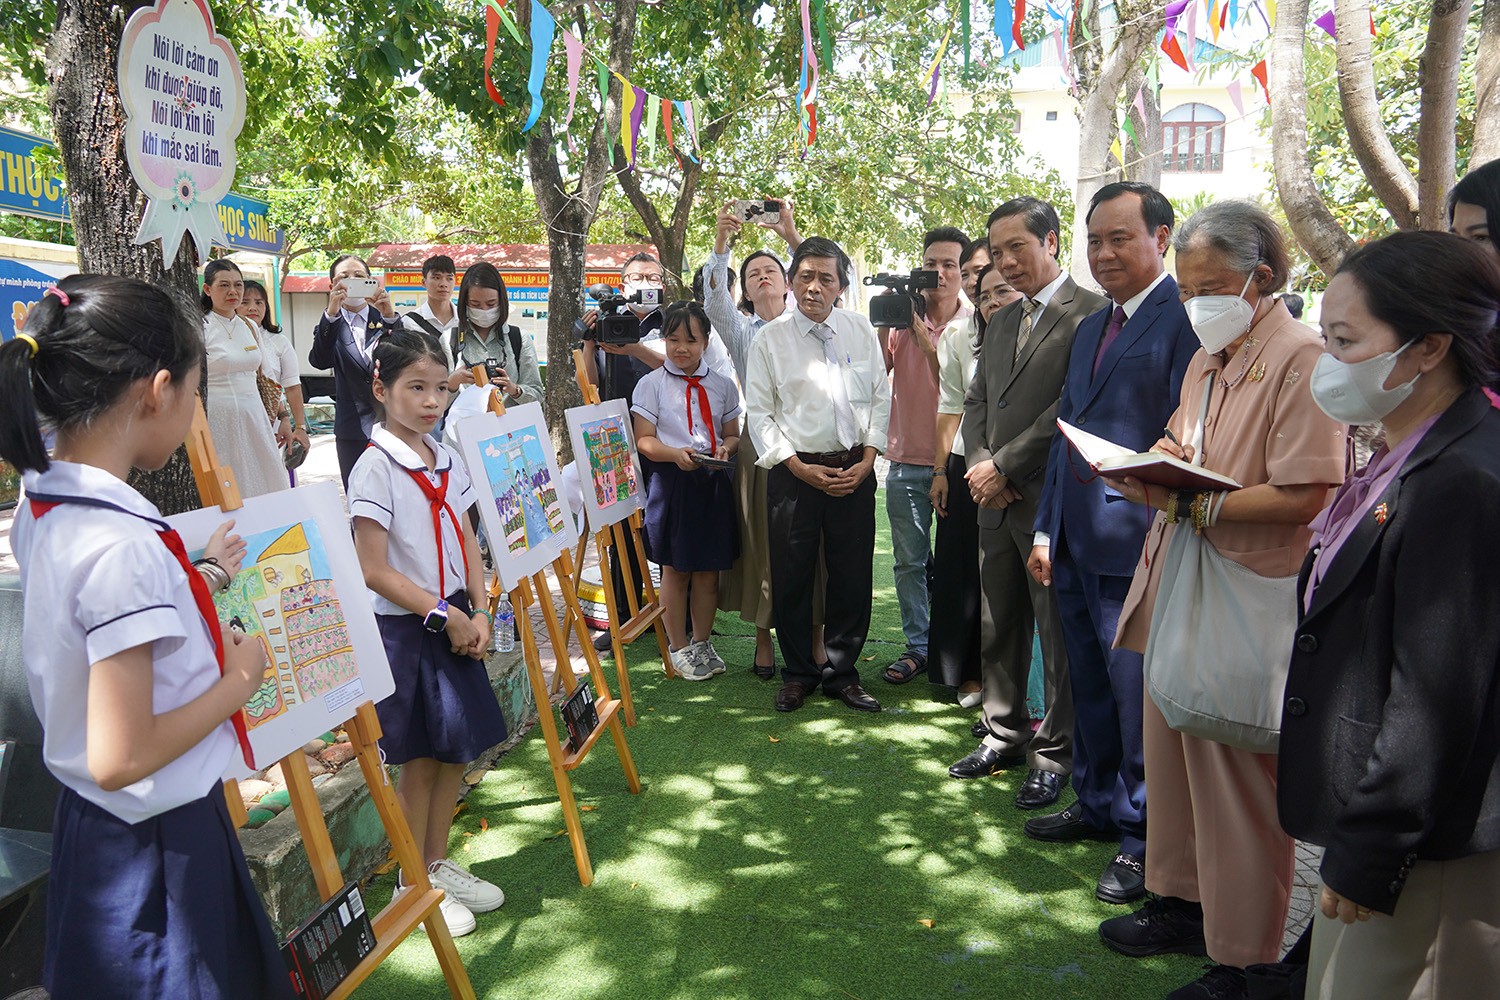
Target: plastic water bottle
<point x="504" y="639"/>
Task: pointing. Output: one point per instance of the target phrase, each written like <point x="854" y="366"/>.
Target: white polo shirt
<point x="97" y="582"/>
<point x="665" y="398"/>
<point x="381" y="490"/>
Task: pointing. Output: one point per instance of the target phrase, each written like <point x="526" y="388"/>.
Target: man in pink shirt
<point x="911" y="357"/>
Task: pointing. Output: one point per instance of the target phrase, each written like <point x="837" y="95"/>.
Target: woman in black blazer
<point x="1391" y="720"/>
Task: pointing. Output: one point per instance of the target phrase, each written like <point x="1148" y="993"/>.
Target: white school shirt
<point x="956" y="365"/>
<point x="786" y="392"/>
<point x="663" y="397"/>
<point x="381" y="491"/>
<point x="445" y="330"/>
<point x="97" y="582"/>
<point x="279" y="359"/>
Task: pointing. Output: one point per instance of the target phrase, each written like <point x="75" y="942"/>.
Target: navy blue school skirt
<point x="443" y="706"/>
<point x="691" y="520"/>
<point x="160" y="908"/>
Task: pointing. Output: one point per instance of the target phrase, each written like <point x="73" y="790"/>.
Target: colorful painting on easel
<point x="300" y="594"/>
<point x="604" y="447"/>
<point x="284" y="597"/>
<point x="510" y="459"/>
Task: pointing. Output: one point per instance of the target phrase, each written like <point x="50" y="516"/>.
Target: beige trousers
<point x="1213" y="837"/>
<point x="1442" y="943"/>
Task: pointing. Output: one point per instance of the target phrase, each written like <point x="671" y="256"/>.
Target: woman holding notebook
<point x="1216" y="858"/>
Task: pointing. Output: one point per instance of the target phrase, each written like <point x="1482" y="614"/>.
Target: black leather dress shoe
<point x="982" y="762"/>
<point x="980" y="730"/>
<point x="856" y="698"/>
<point x="791" y="696"/>
<point x="1124" y="879"/>
<point x="1039" y="789"/>
<point x="1065" y="826"/>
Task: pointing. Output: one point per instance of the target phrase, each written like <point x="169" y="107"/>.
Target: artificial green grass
<point x="776" y="855"/>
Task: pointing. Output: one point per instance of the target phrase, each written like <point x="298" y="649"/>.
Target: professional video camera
<point x="893" y="307"/>
<point x="617" y="324"/>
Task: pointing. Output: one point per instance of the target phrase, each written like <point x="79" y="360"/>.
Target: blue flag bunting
<point x="542" y="27"/>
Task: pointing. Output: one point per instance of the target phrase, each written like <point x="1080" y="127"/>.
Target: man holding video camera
<point x="910" y="351"/>
<point x="818" y="404"/>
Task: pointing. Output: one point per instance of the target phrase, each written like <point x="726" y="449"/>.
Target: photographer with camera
<point x="483" y="337"/>
<point x="910" y="318"/>
<point x="819" y="403"/>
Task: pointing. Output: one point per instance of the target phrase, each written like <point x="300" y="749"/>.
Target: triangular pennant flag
<point x="653" y="108"/>
<point x="604" y="103"/>
<point x="692" y="127"/>
<point x="1017" y="22"/>
<point x="964" y="28"/>
<point x="1192" y="34"/>
<point x="1328" y="24"/>
<point x="825" y="40"/>
<point x="1235" y="97"/>
<point x="1140" y="102"/>
<point x="1174" y="11"/>
<point x="542" y="27"/>
<point x="1259" y="72"/>
<point x="491" y="32"/>
<point x="1174" y="51"/>
<point x="637" y="106"/>
<point x="1270" y="14"/>
<point x="1128" y="127"/>
<point x="507" y="20"/>
<point x="627" y="106"/>
<point x="1114" y="147"/>
<point x="666" y="117"/>
<point x="574" y="50"/>
<point x="1004" y="19"/>
<point x="936" y="67"/>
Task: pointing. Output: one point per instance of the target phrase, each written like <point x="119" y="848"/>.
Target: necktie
<point x="1116" y="324"/>
<point x="437" y="499"/>
<point x="1028" y="311"/>
<point x="695" y="383"/>
<point x="843" y="413"/>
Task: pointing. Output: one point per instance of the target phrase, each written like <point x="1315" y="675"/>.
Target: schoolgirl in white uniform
<point x="130" y="672"/>
<point x="408" y="494"/>
<point x="685" y="409"/>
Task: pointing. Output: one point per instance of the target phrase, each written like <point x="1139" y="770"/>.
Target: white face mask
<point x="484" y="318"/>
<point x="1220" y="320"/>
<point x="1355" y="393"/>
<point x="354" y="305"/>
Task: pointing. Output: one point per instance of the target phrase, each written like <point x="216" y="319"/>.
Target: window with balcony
<point x="1192" y="139"/>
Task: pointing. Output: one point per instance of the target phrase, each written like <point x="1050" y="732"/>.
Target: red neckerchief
<point x="201" y="597"/>
<point x="695" y="382"/>
<point x="437" y="498"/>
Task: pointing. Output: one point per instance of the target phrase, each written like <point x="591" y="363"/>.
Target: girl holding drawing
<point x="684" y="412"/>
<point x="407" y="496"/>
<point x="130" y="672"/>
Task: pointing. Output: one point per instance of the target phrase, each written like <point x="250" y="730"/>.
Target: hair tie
<point x="62" y="297"/>
<point x="377" y="367"/>
<point x="30" y="340"/>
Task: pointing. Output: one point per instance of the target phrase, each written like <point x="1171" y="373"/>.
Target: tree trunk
<point x="1312" y="224"/>
<point x="1143" y="157"/>
<point x="567" y="215"/>
<point x="1437" y="154"/>
<point x="1388" y="176"/>
<point x="1096" y="165"/>
<point x="88" y="122"/>
<point x="1486" y="145"/>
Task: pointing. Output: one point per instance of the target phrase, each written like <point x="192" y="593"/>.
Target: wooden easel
<point x="419" y="904"/>
<point x="624" y="537"/>
<point x="606" y="705"/>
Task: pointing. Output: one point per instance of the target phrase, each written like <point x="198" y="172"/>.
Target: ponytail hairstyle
<point x="398" y="350"/>
<point x="212" y="271"/>
<point x="683" y="314"/>
<point x="96" y="335"/>
<point x="251" y="285"/>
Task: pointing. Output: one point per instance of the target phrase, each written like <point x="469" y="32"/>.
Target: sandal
<point x="905" y="668"/>
<point x="764" y="671"/>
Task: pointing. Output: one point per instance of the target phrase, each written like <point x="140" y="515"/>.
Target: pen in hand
<point x="1171" y="437"/>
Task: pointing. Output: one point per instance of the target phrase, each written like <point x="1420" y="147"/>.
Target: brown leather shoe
<point x="791" y="696"/>
<point x="856" y="698"/>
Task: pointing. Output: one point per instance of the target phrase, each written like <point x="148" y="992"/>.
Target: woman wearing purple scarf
<point x="1390" y="741"/>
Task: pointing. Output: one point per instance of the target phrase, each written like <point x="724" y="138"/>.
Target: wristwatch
<point x="437" y="618"/>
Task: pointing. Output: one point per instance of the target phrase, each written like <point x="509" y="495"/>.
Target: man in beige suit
<point x="1009" y="419"/>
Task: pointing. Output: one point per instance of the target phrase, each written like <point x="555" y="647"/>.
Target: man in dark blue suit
<point x="345" y="340"/>
<point x="1122" y="384"/>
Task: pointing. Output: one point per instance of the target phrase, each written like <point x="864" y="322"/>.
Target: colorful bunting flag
<point x="1128" y="127"/>
<point x="1114" y="147"/>
<point x="653" y="108"/>
<point x="964" y="28"/>
<point x="1173" y="12"/>
<point x="1235" y="98"/>
<point x="685" y="108"/>
<point x="936" y="68"/>
<point x="1017" y="22"/>
<point x="573" y="48"/>
<point x="1259" y="72"/>
<point x="1174" y="51"/>
<point x="491" y="31"/>
<point x="542" y="27"/>
<point x="1326" y="22"/>
<point x="807" y="82"/>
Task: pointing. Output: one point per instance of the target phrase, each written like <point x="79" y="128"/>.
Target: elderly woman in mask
<point x="1217" y="861"/>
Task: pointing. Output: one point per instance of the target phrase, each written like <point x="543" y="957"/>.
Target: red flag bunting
<point x="1174" y="51"/>
<point x="491" y="29"/>
<point x="1015" y="24"/>
<point x="1259" y="72"/>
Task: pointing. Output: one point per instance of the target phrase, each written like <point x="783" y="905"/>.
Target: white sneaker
<point x="476" y="895"/>
<point x="458" y="917"/>
<point x="689" y="663"/>
<point x="711" y="657"/>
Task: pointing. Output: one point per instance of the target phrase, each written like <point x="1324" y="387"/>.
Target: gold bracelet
<point x="1200" y="512"/>
<point x="1173" y="496"/>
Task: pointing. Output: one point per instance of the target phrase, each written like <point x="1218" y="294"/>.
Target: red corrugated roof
<point x="505" y="256"/>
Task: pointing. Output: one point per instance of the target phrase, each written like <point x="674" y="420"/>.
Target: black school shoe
<point x="1218" y="982"/>
<point x="1165" y="925"/>
<point x="1123" y="881"/>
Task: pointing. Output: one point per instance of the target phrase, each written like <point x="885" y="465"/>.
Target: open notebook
<point x="1149" y="467"/>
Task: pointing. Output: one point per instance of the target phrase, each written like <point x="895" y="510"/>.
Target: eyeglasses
<point x="645" y="279"/>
